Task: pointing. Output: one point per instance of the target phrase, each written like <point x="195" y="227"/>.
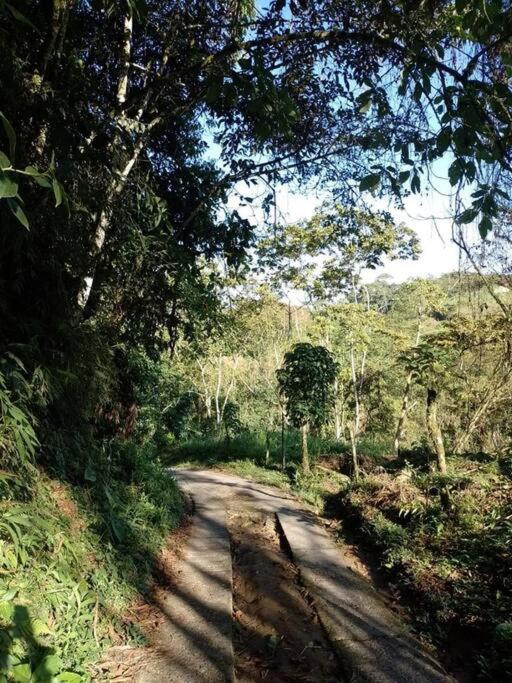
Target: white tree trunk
<point x="218" y="412"/>
<point x="337" y="420"/>
<point x="357" y="409"/>
<point x="406" y="395"/>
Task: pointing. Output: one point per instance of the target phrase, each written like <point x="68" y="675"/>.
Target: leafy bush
<point x="179" y="417"/>
<point x="231" y="419"/>
<point x="18" y="440"/>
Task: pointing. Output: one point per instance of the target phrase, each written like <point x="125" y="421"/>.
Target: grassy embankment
<point x="72" y="560"/>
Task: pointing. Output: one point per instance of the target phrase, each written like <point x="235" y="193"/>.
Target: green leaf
<point x="40" y="178"/>
<point x="443" y="140"/>
<point x="370" y="182"/>
<point x="69" y="677"/>
<point x="39" y="627"/>
<point x="11" y="135"/>
<point x="19" y="16"/>
<point x="8" y="188"/>
<point x="415" y="183"/>
<point x="57" y="191"/>
<point x="50" y="664"/>
<point x="455" y="172"/>
<point x="9" y="595"/>
<point x="5" y="162"/>
<point x="18" y="212"/>
<point x="485" y="226"/>
<point x="467" y="216"/>
<point x="470" y="170"/>
<point x="6" y="611"/>
<point x="21" y="673"/>
<point x="43" y="181"/>
<point x="364" y="101"/>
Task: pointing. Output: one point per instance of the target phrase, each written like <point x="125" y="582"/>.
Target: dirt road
<point x="262" y="592"/>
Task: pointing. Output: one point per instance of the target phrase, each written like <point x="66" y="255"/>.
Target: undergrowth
<point x="266" y="450"/>
<point x="72" y="558"/>
<point x="456" y="567"/>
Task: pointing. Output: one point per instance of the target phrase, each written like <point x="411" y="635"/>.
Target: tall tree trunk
<point x="218" y="413"/>
<point x="60" y="10"/>
<point x="434" y="430"/>
<point x="126" y="53"/>
<point x="355" y="387"/>
<point x="267" y="447"/>
<point x="337" y="421"/>
<point x="355" y="459"/>
<point x="407" y="393"/>
<point x="305" y="451"/>
<point x="207" y="395"/>
<point x="228" y="390"/>
<point x="120" y="171"/>
<point x="403" y="414"/>
<point x="114" y="189"/>
<point x="436" y="438"/>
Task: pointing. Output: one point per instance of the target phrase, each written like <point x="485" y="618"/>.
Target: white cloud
<point x="429" y="216"/>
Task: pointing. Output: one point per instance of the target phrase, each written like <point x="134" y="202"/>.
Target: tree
<point x="425" y="297"/>
<point x="325" y="255"/>
<point x="482" y="344"/>
<point x="306" y="381"/>
<point x="356" y="335"/>
<point x="429" y="364"/>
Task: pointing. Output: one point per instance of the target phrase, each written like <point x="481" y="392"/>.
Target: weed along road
<point x="263" y="592"/>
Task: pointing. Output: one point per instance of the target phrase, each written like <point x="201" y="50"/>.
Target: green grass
<point x="72" y="559"/>
<point x="251" y="446"/>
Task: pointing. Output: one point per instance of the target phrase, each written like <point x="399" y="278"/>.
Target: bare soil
<point x="277" y="636"/>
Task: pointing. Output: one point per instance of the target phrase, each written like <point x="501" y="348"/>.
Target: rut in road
<point x="277" y="635"/>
